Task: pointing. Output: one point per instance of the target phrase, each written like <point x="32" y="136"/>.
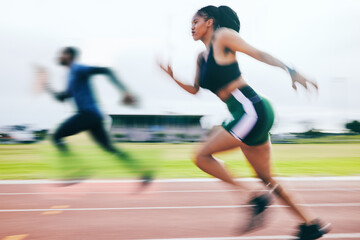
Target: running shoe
<point x="259" y="205"/>
<point x="313" y="231"/>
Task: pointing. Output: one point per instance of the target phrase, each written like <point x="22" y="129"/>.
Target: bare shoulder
<point x="225" y="33"/>
<point x="228" y="38"/>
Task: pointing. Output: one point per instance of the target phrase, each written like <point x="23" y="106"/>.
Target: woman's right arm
<point x="193" y="89"/>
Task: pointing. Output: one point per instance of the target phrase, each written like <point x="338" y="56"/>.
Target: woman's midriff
<point x="225" y="92"/>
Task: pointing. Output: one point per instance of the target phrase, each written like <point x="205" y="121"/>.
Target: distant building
<point x="17" y="134"/>
<point x="157" y="128"/>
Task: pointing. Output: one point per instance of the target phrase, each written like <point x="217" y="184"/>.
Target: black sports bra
<point x="214" y="76"/>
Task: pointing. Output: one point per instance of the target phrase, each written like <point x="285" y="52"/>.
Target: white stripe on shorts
<point x="248" y="120"/>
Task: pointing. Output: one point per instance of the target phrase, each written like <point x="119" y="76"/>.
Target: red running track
<point x="166" y="210"/>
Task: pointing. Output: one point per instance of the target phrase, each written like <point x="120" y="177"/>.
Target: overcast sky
<point x="320" y="38"/>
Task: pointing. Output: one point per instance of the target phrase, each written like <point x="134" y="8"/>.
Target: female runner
<point x="253" y="116"/>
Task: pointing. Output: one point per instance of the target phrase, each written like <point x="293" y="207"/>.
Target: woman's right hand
<point x="189" y="88"/>
<point x="167" y="69"/>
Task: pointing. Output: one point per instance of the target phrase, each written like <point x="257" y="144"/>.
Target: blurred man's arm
<point x="111" y="75"/>
<point x="60" y="96"/>
<point x="42" y="77"/>
<point x="128" y="98"/>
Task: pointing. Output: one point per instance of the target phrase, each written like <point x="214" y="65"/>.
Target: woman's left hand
<point x="300" y="79"/>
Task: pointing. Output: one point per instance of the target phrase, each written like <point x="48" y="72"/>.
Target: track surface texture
<point x="168" y="209"/>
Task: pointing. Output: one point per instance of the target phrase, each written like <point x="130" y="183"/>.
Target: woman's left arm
<point x="231" y="39"/>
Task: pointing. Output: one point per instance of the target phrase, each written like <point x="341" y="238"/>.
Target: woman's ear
<point x="210" y="22"/>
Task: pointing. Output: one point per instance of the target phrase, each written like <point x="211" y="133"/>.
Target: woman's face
<point x="200" y="26"/>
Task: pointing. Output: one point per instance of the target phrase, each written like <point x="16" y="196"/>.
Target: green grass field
<point x="39" y="161"/>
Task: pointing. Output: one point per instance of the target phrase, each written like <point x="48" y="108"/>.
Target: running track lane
<point x="167" y="210"/>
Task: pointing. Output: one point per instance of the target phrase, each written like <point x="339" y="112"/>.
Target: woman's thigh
<point x="219" y="141"/>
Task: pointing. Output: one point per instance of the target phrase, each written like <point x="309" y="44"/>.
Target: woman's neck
<point x="207" y="38"/>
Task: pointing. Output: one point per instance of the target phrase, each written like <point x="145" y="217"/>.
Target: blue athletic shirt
<point x="80" y="89"/>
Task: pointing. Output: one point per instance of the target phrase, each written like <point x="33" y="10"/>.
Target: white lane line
<point x="271" y="237"/>
<point x="181" y="191"/>
<point x="290" y="179"/>
<point x="180" y="207"/>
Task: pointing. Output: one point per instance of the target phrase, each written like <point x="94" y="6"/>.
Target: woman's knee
<point x="196" y="158"/>
<point x="199" y="158"/>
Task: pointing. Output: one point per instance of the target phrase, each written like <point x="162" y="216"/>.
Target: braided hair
<point x="222" y="16"/>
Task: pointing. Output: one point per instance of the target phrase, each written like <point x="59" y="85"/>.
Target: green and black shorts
<point x="252" y="116"/>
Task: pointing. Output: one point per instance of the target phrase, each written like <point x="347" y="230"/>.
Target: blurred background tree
<point x="353" y="126"/>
